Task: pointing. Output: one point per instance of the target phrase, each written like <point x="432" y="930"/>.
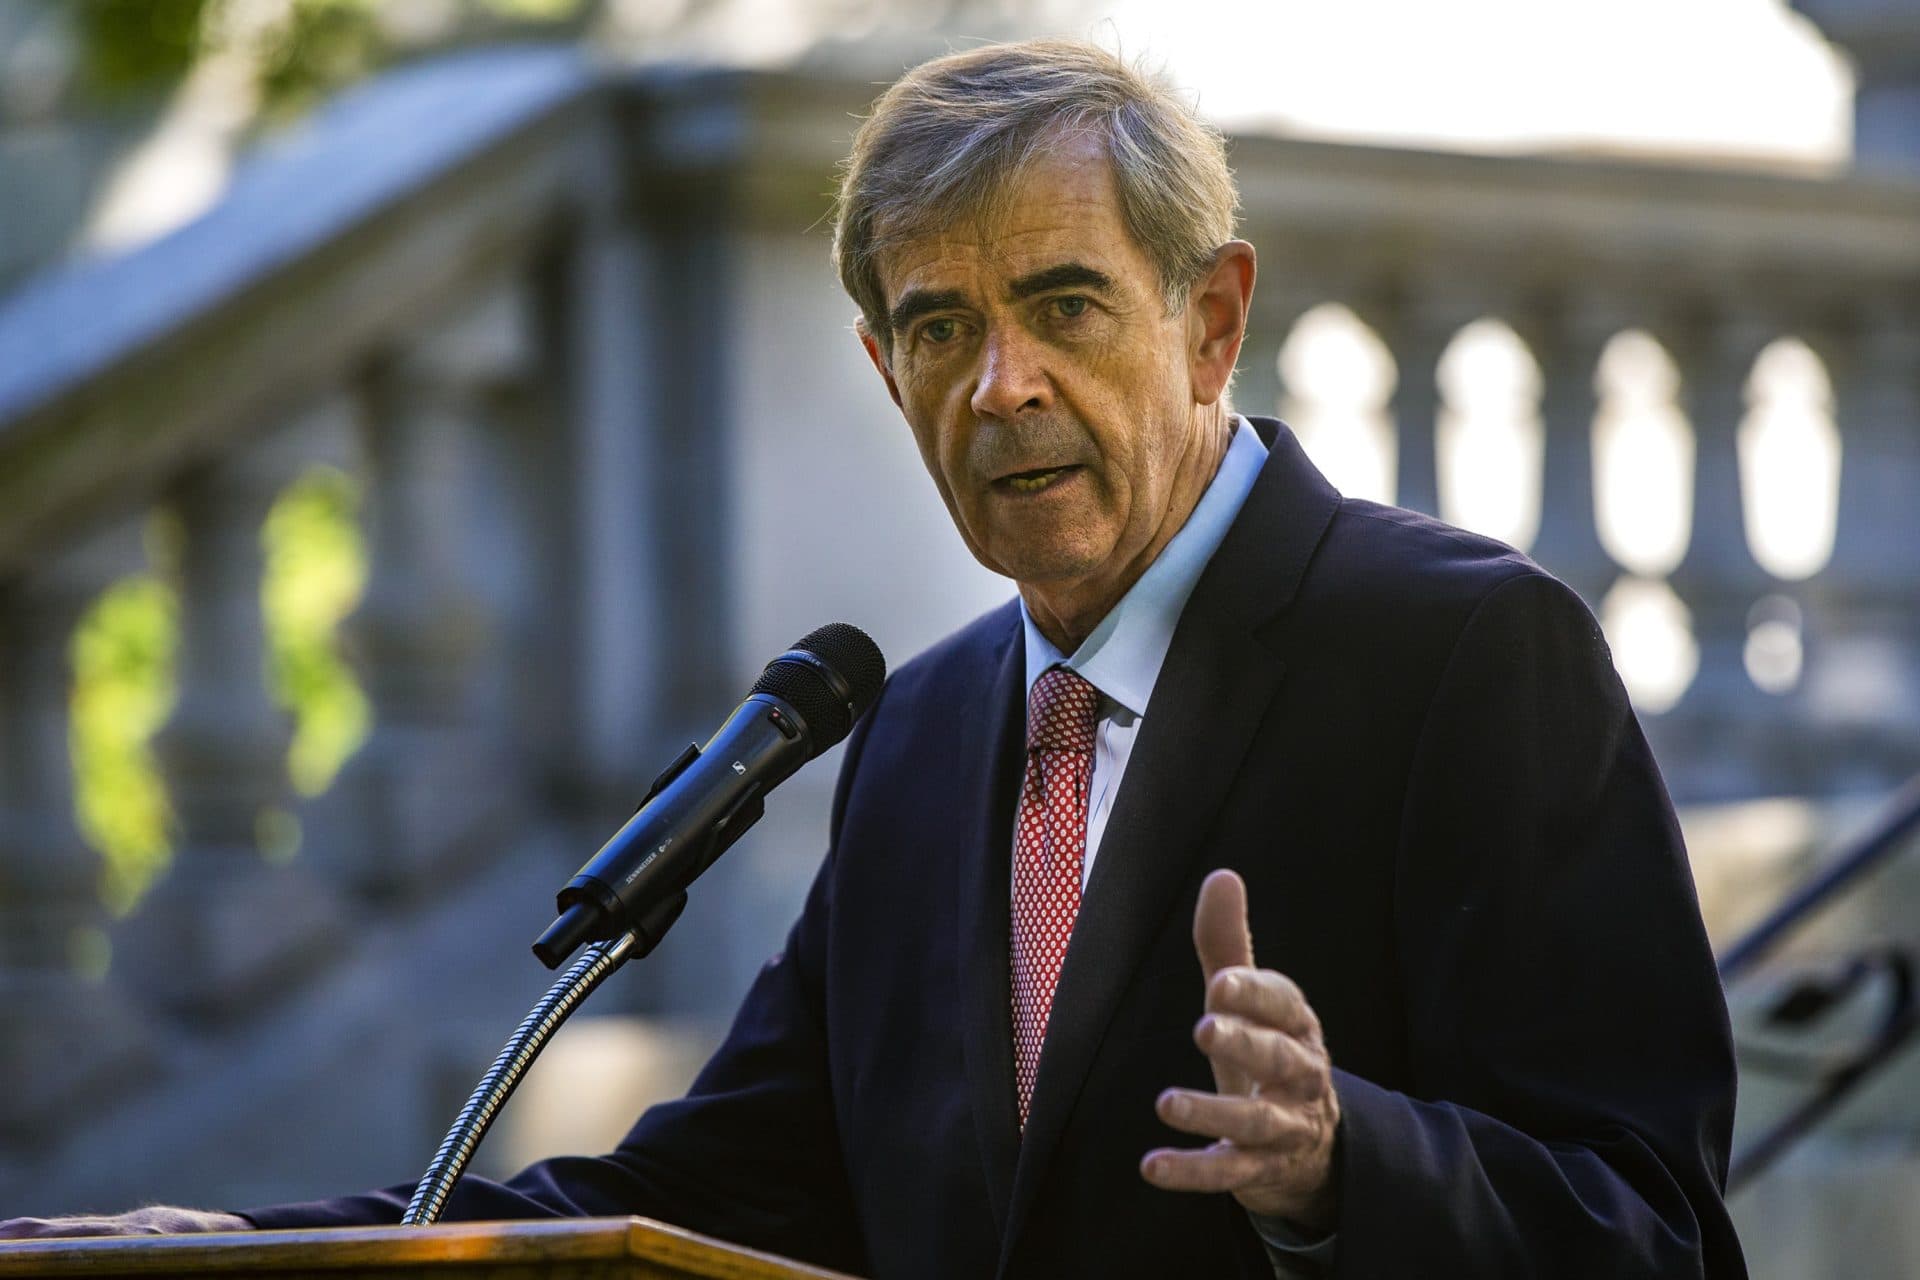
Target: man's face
<point x="1045" y="383"/>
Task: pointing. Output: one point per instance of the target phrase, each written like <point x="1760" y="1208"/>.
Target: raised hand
<point x="1274" y="1113"/>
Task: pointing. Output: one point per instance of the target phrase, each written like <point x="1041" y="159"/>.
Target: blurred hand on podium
<point x="155" y="1220"/>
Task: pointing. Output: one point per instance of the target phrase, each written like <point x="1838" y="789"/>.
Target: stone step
<point x="1834" y="1210"/>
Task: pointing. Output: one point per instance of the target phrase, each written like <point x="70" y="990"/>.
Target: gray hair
<point x="947" y="139"/>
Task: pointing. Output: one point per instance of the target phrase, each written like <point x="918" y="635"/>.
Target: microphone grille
<point x="830" y="676"/>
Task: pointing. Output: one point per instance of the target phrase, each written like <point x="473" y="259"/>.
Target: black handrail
<point x="1877" y="845"/>
<point x="1874" y="848"/>
<point x="1840" y="1076"/>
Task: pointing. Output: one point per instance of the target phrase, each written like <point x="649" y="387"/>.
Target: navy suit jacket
<point x="1411" y="743"/>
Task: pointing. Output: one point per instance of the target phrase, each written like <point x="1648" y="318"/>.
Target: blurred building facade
<point x="572" y="330"/>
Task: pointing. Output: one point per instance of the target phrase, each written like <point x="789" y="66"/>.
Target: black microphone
<point x="804" y="702"/>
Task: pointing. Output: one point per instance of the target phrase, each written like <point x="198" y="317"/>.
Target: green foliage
<point x="122" y="655"/>
<point x="315" y="571"/>
<point x="323" y="45"/>
<point x="132" y="46"/>
<point x="301" y="50"/>
<point x="535" y="10"/>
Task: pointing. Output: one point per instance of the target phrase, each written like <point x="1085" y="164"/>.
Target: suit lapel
<point x="991" y="755"/>
<point x="1221" y="672"/>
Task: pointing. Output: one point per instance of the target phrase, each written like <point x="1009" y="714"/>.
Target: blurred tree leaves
<point x="133" y="46"/>
<point x="315" y="570"/>
<point x="322" y="45"/>
<point x="299" y="50"/>
<point x="122" y="657"/>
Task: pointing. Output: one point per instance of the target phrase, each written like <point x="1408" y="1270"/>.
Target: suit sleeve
<point x="1571" y="1060"/>
<point x="751" y="1154"/>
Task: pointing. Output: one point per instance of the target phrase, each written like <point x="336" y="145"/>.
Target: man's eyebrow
<point x="919" y="302"/>
<point x="1065" y="275"/>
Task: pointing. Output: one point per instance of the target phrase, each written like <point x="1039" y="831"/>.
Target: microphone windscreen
<point x="830" y="677"/>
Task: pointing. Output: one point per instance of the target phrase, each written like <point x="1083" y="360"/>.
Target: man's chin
<point x="1047" y="572"/>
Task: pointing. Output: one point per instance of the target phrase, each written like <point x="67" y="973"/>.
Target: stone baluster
<point x="1416" y="415"/>
<point x="1861" y="683"/>
<point x="1566" y="339"/>
<point x="1417" y="329"/>
<point x="1718" y="728"/>
<point x="436" y="785"/>
<point x="71" y="1041"/>
<point x="226" y="928"/>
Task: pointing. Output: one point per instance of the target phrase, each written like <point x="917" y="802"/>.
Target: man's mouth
<point x="1035" y="480"/>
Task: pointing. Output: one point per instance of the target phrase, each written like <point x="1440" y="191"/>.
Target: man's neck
<point x="1067" y="613"/>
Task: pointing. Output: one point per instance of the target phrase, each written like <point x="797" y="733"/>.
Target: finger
<point x="1264" y="998"/>
<point x="1221" y="936"/>
<point x="1274" y="1060"/>
<point x="1220" y="1167"/>
<point x="1246" y="1122"/>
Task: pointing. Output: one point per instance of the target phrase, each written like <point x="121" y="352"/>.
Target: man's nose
<point x="1013" y="377"/>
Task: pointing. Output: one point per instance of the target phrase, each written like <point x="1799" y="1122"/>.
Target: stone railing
<point x="446" y="286"/>
<point x="1715" y="267"/>
<point x="574" y="333"/>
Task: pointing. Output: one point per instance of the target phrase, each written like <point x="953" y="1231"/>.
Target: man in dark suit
<point x="1482" y="1036"/>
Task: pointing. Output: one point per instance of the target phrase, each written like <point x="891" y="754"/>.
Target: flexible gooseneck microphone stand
<point x="626" y="898"/>
<point x="597" y="963"/>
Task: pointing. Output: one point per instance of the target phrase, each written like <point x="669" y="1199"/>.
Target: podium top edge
<point x="445" y="1249"/>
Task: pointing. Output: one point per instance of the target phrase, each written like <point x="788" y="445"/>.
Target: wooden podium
<point x="563" y="1249"/>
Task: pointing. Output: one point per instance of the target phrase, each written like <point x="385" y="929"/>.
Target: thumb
<point x="1220" y="932"/>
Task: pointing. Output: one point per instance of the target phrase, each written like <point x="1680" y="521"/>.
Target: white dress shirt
<point x="1123" y="656"/>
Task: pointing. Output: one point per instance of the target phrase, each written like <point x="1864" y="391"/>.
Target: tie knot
<point x="1061" y="711"/>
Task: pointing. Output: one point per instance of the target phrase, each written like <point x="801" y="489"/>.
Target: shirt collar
<point x="1123" y="656"/>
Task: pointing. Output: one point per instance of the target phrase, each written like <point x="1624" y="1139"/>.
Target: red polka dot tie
<point x="1050" y="846"/>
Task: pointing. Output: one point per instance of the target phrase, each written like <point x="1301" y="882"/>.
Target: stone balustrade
<point x="571" y="331"/>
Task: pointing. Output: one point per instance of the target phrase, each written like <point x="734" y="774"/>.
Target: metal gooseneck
<point x="594" y="965"/>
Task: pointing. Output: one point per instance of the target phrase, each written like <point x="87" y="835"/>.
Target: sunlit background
<point x="1736" y="82"/>
<point x="123" y="121"/>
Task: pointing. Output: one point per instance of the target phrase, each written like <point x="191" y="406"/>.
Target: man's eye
<point x="941" y="330"/>
<point x="1070" y="307"/>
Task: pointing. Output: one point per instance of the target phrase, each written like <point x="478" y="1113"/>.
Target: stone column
<point x="225" y="929"/>
<point x="622" y="628"/>
<point x="1567" y="339"/>
<point x="436" y="785"/>
<point x="1861" y="685"/>
<point x="71" y="1041"/>
<point x="1715" y="734"/>
<point x="647" y="338"/>
<point x="1882" y="40"/>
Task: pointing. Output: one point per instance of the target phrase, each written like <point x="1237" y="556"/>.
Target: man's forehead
<point x="961" y="258"/>
<point x="1062" y="207"/>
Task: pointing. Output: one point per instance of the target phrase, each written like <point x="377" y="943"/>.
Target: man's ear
<point x="1217" y="319"/>
<point x="879" y="358"/>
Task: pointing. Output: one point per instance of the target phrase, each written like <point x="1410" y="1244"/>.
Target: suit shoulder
<point x="1419" y="560"/>
<point x="1413" y="583"/>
